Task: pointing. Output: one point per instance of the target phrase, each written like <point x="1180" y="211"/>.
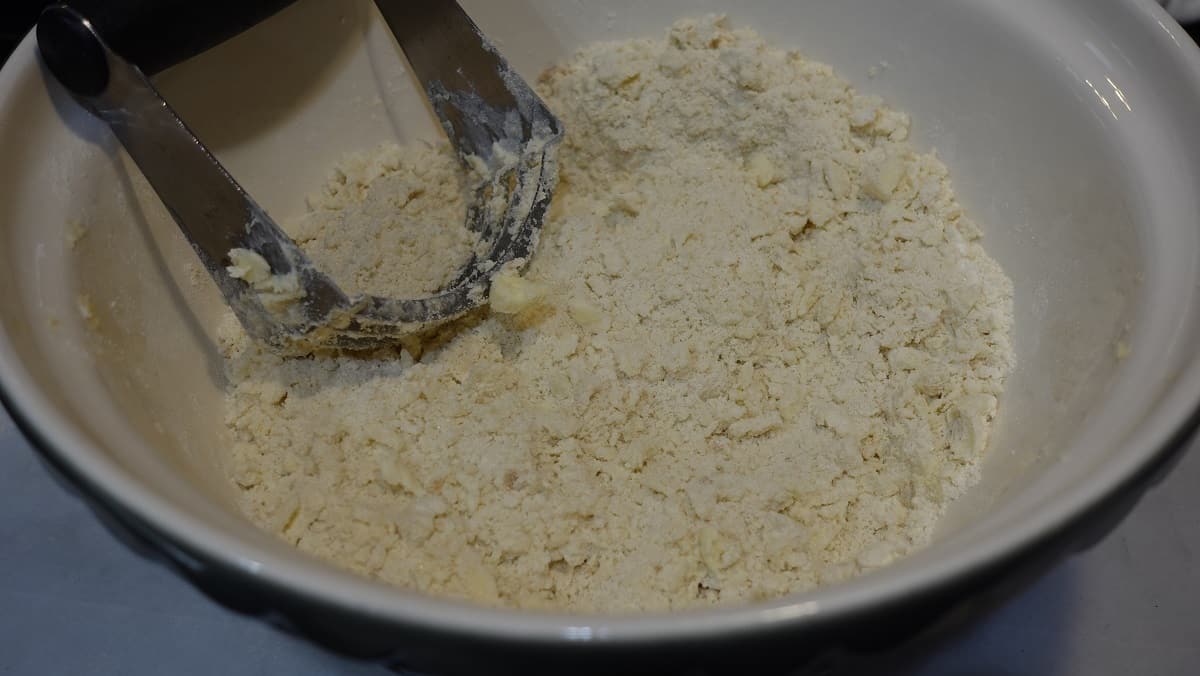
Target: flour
<point x="390" y="223"/>
<point x="758" y="350"/>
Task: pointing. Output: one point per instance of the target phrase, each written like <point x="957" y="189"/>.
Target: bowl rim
<point x="1162" y="432"/>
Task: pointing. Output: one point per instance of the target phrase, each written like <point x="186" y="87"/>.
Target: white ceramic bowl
<point x="1071" y="129"/>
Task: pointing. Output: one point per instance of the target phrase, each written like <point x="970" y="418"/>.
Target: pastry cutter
<point x="102" y="51"/>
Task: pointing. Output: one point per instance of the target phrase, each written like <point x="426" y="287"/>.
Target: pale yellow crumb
<point x="248" y="265"/>
<point x="83" y="303"/>
<point x="275" y="291"/>
<point x="585" y="314"/>
<point x="1123" y="350"/>
<point x="74" y="232"/>
<point x="511" y="293"/>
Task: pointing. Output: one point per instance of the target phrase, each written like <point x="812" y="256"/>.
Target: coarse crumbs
<point x="764" y="353"/>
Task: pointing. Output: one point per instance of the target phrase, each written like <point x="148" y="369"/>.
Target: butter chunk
<point x="882" y="179"/>
<point x="511" y="293"/>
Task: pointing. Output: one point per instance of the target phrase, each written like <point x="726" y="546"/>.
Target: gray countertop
<point x="74" y="600"/>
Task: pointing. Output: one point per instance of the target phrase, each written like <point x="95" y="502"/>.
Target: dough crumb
<point x="585" y="314"/>
<point x="249" y="266"/>
<point x="274" y="291"/>
<point x="511" y="293"/>
<point x="75" y="231"/>
<point x="1123" y="350"/>
<point x="87" y="311"/>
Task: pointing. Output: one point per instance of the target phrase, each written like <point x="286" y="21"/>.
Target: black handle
<point x="151" y="34"/>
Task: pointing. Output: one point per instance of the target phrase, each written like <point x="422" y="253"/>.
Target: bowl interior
<point x="1061" y="142"/>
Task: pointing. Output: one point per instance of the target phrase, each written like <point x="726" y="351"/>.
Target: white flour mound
<point x="759" y="350"/>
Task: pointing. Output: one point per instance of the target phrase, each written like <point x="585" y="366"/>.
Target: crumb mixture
<point x="758" y="350"/>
